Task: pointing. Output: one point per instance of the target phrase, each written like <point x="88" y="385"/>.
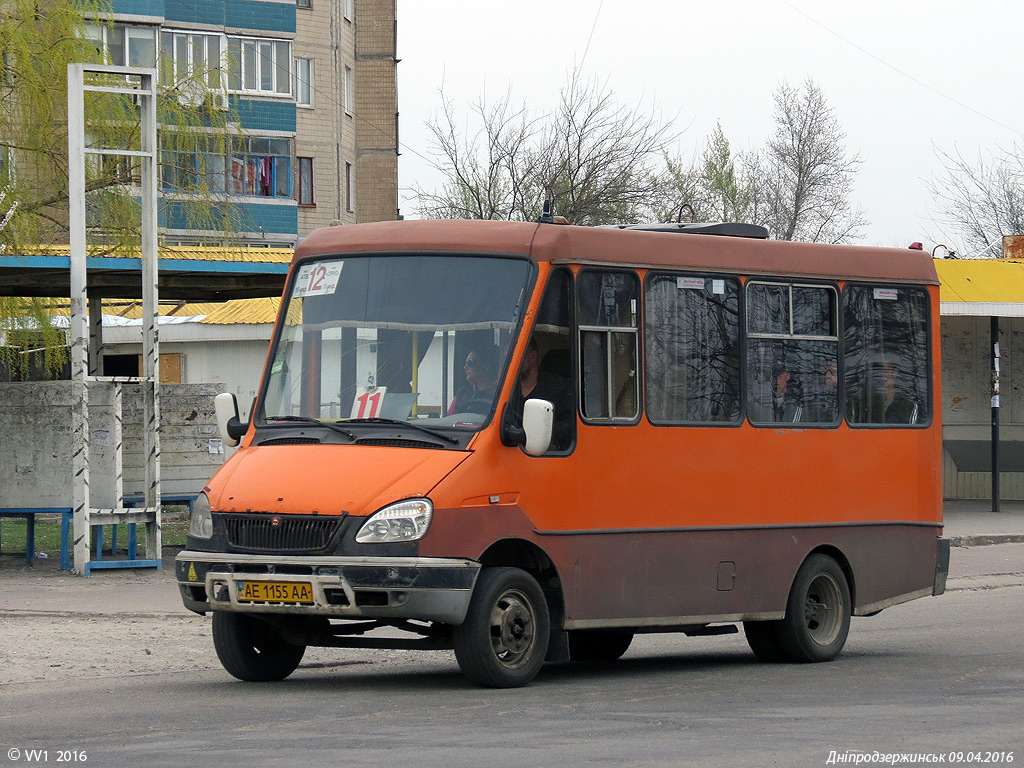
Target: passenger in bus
<point x="893" y="407"/>
<point x="481" y="376"/>
<point x="786" y="401"/>
<point x="543" y="384"/>
<point x="823" y="407"/>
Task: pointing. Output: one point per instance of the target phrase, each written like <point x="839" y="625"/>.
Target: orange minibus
<point x="528" y="442"/>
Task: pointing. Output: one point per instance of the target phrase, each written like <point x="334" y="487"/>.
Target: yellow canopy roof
<point x="981" y="287"/>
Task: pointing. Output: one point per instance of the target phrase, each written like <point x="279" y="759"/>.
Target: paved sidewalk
<point x="973" y="523"/>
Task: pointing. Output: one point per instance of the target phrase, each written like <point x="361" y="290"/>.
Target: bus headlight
<point x="201" y="526"/>
<point x="404" y="521"/>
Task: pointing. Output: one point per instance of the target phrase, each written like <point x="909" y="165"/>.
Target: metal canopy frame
<point x="86" y="326"/>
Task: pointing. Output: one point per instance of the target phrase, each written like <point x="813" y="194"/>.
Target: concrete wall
<point x="36" y="452"/>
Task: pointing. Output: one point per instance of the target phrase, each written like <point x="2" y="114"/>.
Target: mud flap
<point x="941" y="566"/>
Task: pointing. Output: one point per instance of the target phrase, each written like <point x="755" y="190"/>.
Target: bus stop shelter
<point x="35" y="470"/>
<point x="982" y="309"/>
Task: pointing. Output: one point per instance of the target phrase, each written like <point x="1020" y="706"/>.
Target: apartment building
<point x="312" y="83"/>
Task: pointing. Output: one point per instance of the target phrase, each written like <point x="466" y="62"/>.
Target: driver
<point x="544" y="385"/>
<point x="481" y="377"/>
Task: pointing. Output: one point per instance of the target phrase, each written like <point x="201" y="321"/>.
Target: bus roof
<point x="607" y="246"/>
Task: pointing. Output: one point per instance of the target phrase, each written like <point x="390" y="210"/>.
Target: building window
<point x="192" y="54"/>
<point x="124" y="46"/>
<point x="348" y="6"/>
<point x="304" y="82"/>
<point x="261" y="167"/>
<point x="303" y="3"/>
<point x="258" y="167"/>
<point x="350" y="96"/>
<point x="305" y="180"/>
<point x="350" y="188"/>
<point x="259" y="65"/>
<point x="193" y="163"/>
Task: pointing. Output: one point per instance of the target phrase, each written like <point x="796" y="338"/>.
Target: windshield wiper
<point x="309" y="420"/>
<point x="400" y="423"/>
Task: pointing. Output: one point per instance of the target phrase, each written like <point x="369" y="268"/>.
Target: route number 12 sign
<point x="317" y="279"/>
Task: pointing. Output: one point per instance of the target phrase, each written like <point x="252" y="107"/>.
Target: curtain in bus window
<point x="691" y="327"/>
<point x="768" y="308"/>
<point x="886" y="355"/>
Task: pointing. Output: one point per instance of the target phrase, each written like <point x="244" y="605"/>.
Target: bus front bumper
<point x="428" y="589"/>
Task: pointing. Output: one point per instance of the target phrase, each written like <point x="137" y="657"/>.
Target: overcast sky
<point x="905" y="77"/>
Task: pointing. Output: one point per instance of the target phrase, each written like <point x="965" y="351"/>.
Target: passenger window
<point x="792" y="354"/>
<point x="692" y="349"/>
<point x="885" y="344"/>
<point x="608" y="306"/>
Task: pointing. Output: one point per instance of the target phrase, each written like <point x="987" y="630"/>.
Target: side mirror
<point x="538" y="419"/>
<point x="231" y="428"/>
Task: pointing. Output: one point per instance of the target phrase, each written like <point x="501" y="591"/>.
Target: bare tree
<point x="803" y="179"/>
<point x="596" y="160"/>
<point x="487" y="172"/>
<point x="982" y="200"/>
<point x="599" y="159"/>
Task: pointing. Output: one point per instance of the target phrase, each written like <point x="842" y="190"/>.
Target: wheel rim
<point x="823" y="610"/>
<point x="513" y="628"/>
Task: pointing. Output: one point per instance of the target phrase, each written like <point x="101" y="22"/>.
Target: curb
<point x="985" y="539"/>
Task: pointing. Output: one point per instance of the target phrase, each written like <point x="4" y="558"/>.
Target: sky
<point x="907" y="79"/>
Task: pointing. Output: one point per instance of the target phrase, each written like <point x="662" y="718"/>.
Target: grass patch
<point x="13" y="531"/>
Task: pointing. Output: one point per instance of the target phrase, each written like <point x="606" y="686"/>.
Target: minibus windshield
<point x="418" y="339"/>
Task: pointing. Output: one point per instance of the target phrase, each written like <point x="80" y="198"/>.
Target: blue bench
<point x="29" y="513"/>
<point x="184" y="499"/>
<point x="67" y="517"/>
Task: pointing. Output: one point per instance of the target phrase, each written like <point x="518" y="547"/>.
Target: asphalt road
<point x="935" y="677"/>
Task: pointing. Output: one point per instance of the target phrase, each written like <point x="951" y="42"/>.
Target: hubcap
<point x="513" y="628"/>
<point x="823" y="611"/>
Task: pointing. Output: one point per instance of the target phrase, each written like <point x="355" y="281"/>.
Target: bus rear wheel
<point x="251" y="650"/>
<point x="817" y="613"/>
<point x="504" y="639"/>
<point x="599" y="644"/>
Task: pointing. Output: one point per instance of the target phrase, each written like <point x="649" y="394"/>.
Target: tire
<point x="817" y="613"/>
<point x="503" y="641"/>
<point x="763" y="639"/>
<point x="599" y="644"/>
<point x="251" y="650"/>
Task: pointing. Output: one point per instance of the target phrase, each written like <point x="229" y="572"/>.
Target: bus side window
<point x="886" y="355"/>
<point x="792" y="353"/>
<point x="692" y="349"/>
<point x="608" y="307"/>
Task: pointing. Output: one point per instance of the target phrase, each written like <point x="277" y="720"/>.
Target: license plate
<point x="297" y="592"/>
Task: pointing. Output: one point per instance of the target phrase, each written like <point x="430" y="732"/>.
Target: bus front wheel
<point x="251" y="650"/>
<point x="504" y="639"/>
<point x="817" y="613"/>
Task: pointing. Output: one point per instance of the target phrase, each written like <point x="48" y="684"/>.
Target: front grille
<point x="280" y="533"/>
